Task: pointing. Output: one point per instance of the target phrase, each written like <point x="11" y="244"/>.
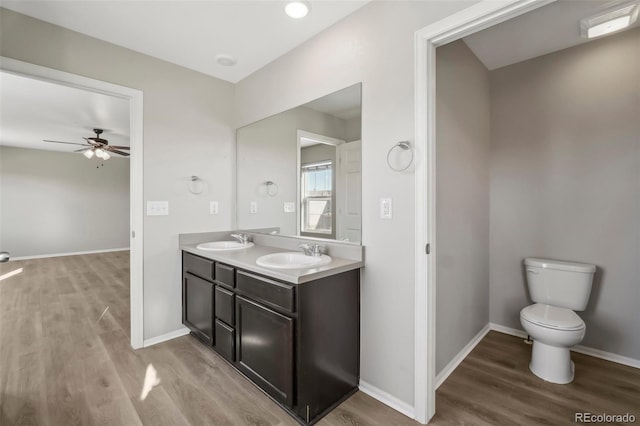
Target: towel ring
<point x="196" y="185"/>
<point x="404" y="145"/>
<point x="272" y="188"/>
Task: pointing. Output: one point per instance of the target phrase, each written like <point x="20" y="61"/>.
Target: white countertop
<point x="246" y="259"/>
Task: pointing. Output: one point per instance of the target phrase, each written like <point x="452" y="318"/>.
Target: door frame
<point x="136" y="212"/>
<point x="341" y="202"/>
<point x="473" y="19"/>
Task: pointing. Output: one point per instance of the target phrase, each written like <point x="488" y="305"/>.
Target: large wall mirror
<point x="300" y="171"/>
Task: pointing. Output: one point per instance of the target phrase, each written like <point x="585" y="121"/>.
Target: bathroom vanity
<point x="294" y="333"/>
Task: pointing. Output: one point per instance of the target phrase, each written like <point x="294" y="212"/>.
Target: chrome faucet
<point x="242" y="238"/>
<point x="312" y="249"/>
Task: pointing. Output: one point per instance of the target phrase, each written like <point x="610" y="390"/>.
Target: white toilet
<point x="558" y="289"/>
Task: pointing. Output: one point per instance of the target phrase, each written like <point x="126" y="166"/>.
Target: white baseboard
<point x="387" y="399"/>
<point x="508" y="330"/>
<point x="453" y="364"/>
<point x="597" y="353"/>
<point x="164" y="337"/>
<point x="43" y="256"/>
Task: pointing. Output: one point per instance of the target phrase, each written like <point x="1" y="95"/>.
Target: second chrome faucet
<point x="312" y="249"/>
<point x="242" y="238"/>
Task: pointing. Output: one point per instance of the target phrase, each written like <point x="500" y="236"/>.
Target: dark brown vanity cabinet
<point x="264" y="348"/>
<point x="298" y="342"/>
<point x="197" y="297"/>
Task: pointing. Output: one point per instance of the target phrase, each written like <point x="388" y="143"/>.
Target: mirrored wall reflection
<point x="300" y="170"/>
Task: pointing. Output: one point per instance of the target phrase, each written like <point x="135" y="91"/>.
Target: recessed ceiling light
<point x="610" y="21"/>
<point x="226" y="60"/>
<point x="297" y="9"/>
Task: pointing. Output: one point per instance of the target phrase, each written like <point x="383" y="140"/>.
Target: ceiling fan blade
<point x="94" y="141"/>
<point x="115" y="151"/>
<point x="83" y="149"/>
<point x="68" y="143"/>
<point x="119" y="147"/>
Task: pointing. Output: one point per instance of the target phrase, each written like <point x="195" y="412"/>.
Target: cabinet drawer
<point x="225" y="341"/>
<point x="225" y="305"/>
<point x="271" y="293"/>
<point x="198" y="266"/>
<point x="225" y="275"/>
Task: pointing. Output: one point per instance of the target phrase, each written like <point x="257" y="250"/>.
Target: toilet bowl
<point x="554" y="331"/>
<point x="557" y="288"/>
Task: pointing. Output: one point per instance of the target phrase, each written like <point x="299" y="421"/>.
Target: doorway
<point x="473" y="19"/>
<point x="135" y="101"/>
<point x="559" y="212"/>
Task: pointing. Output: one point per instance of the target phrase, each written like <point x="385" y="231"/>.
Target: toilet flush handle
<point x="533" y="271"/>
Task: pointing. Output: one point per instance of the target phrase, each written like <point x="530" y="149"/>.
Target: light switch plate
<point x="157" y="208"/>
<point x="213" y="207"/>
<point x="253" y="207"/>
<point x="386" y="208"/>
<point x="289" y="207"/>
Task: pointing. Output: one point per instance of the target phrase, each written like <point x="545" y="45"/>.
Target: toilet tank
<point x="559" y="283"/>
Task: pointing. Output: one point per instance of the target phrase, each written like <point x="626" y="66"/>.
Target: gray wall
<point x="565" y="181"/>
<point x="353" y="129"/>
<point x="268" y="150"/>
<point x="462" y="199"/>
<point x="57" y="202"/>
<point x="188" y="130"/>
<point x="373" y="46"/>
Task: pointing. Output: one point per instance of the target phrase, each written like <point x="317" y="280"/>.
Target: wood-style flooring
<point x="493" y="386"/>
<point x="65" y="359"/>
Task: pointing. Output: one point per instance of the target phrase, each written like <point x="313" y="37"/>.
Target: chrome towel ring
<point x="403" y="146"/>
<point x="272" y="188"/>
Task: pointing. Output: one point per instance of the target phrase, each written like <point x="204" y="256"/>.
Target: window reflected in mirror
<point x="317" y="197"/>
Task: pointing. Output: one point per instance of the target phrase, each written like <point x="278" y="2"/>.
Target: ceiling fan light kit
<point x="97" y="146"/>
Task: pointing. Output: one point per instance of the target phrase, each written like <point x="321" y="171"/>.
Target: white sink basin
<point x="292" y="260"/>
<point x="224" y="245"/>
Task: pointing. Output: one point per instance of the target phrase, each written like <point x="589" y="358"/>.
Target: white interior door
<point x="348" y="189"/>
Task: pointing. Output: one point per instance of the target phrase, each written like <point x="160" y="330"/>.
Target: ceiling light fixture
<point x="226" y="60"/>
<point x="297" y="9"/>
<point x="622" y="16"/>
<point x="103" y="154"/>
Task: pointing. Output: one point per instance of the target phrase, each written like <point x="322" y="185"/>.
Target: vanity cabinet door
<point x="197" y="307"/>
<point x="264" y="348"/>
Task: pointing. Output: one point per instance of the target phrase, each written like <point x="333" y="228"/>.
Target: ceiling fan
<point x="97" y="146"/>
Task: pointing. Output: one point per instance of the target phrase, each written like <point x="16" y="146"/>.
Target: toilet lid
<point x="552" y="317"/>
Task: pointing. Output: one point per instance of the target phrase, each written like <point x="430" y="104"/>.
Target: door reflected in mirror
<point x="300" y="171"/>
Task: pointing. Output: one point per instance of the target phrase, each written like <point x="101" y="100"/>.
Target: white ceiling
<point x="545" y="30"/>
<point x="192" y="33"/>
<point x="32" y="110"/>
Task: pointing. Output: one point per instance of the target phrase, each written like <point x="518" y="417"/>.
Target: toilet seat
<point x="552" y="317"/>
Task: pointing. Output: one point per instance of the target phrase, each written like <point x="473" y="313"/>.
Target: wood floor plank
<point x="62" y="362"/>
<point x="25" y="403"/>
<point x="156" y="408"/>
<point x="494" y="383"/>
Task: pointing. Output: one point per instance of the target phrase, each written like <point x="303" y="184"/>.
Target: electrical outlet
<point x="157" y="208"/>
<point x="386" y="208"/>
<point x="213" y="207"/>
<point x="253" y="207"/>
<point x="289" y="207"/>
